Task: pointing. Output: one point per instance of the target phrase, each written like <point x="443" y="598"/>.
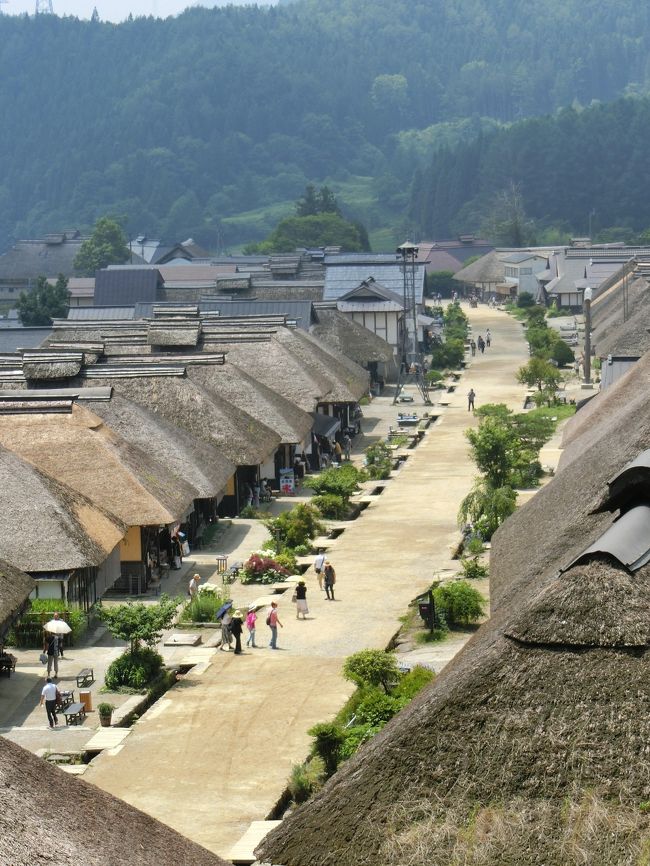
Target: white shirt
<point x="194" y="585"/>
<point x="320" y="559"/>
<point x="49" y="692"/>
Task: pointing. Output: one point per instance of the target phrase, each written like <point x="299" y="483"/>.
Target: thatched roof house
<point x="530" y="747"/>
<point x="77" y="449"/>
<point x="350" y="339"/>
<point x="47" y="526"/>
<point x="485" y="273"/>
<point x="15" y="587"/>
<point x="47" y="816"/>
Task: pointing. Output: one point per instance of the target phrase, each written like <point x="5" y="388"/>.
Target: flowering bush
<point x="262" y="569"/>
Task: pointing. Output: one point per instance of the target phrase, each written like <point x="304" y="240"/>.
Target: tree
<point x="139" y="623"/>
<point x="494" y="450"/>
<point x="562" y="353"/>
<point x="106" y="246"/>
<point x="459" y="602"/>
<point x="313" y="202"/>
<point x="539" y="372"/>
<point x="45" y="302"/>
<point x="507" y="224"/>
<point x="372" y="668"/>
<point x="317" y="230"/>
<point x="487" y="507"/>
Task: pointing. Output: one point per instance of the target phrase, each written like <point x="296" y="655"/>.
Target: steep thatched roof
<point x="205" y="416"/>
<point x="47" y="816"/>
<point x="489" y="269"/>
<point x="228" y="381"/>
<point x="629" y="339"/>
<point x="348" y="382"/>
<point x="204" y="467"/>
<point x="47" y="526"/>
<point x="80" y="451"/>
<point x="532" y="739"/>
<point x="350" y="338"/>
<point x="609" y="309"/>
<point x="15" y="587"/>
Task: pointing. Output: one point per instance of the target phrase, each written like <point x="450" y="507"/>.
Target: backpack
<point x="268" y="619"/>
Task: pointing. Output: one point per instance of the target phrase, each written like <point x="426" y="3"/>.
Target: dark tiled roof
<point x="122" y="286"/>
<point x="22" y="338"/>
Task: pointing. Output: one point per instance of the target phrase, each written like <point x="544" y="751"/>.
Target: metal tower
<point x="44" y="7"/>
<point x="411" y="362"/>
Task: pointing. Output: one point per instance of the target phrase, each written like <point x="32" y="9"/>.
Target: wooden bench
<point x="85" y="677"/>
<point x="7" y="664"/>
<point x="74" y="714"/>
<point x="67" y="698"/>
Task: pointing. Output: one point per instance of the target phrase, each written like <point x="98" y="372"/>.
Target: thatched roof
<point x="629" y="339"/>
<point x="610" y="307"/>
<point x="348" y="382"/>
<point x="15" y="587"/>
<point x="350" y="338"/>
<point x="202" y="414"/>
<point x="540" y="715"/>
<point x="47" y="816"/>
<point x="47" y="526"/>
<point x="488" y="270"/>
<point x="80" y="451"/>
<point x="268" y="407"/>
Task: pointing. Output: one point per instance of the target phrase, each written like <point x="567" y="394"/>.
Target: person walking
<point x="488" y="338"/>
<point x="338" y="451"/>
<point x="301" y="600"/>
<point x="319" y="564"/>
<point x="472" y="347"/>
<point x="236" y="629"/>
<point x="57" y="616"/>
<point x="193" y="588"/>
<point x="51" y="647"/>
<point x="48" y="697"/>
<point x="251" y="621"/>
<point x="226" y="636"/>
<point x="273" y="621"/>
<point x="347" y="446"/>
<point x="329" y="577"/>
<point x="481" y="344"/>
<point x="470" y="400"/>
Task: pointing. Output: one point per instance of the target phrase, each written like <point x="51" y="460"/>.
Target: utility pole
<point x="587" y="296"/>
<point x="411" y="362"/>
<point x="44" y="7"/>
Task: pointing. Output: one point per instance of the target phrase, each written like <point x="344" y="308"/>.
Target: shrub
<point x="296" y="526"/>
<point x="474" y="546"/>
<point x="250" y="513"/>
<point x="342" y="481"/>
<point x="328" y="738"/>
<point x="139" y="623"/>
<point x="439" y="633"/>
<point x="487" y="507"/>
<point x="262" y="569"/>
<point x="331" y="505"/>
<point x="356" y="736"/>
<point x="287" y="559"/>
<point x="433" y="376"/>
<point x="203" y="607"/>
<point x="525" y="299"/>
<point x="413" y="682"/>
<point x="562" y="353"/>
<point x="377" y="708"/>
<point x="473" y="569"/>
<point x="302" y="550"/>
<point x="306" y="779"/>
<point x="379" y="460"/>
<point x="460" y="602"/>
<point x="372" y="667"/>
<point x="134" y="670"/>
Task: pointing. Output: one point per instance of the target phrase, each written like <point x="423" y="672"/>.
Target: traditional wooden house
<point x="15" y="589"/>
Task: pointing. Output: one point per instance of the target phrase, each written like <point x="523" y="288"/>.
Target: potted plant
<point x="105" y="712"/>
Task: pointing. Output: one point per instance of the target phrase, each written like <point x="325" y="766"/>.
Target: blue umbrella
<point x="223" y="609"/>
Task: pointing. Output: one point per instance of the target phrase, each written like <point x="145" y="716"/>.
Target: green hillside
<point x="184" y="125"/>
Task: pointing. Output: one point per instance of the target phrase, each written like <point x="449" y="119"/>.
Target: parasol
<point x="223" y="609"/>
<point x="57" y="626"/>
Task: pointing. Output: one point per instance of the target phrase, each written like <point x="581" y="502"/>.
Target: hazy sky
<point x="113" y="10"/>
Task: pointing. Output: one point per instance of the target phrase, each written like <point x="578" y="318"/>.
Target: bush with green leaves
<point x="204" y="605"/>
<point x="328" y="737"/>
<point x="331" y="505"/>
<point x="339" y="480"/>
<point x="372" y="668"/>
<point x="474" y="546"/>
<point x="262" y="569"/>
<point x="377" y="708"/>
<point x="525" y="299"/>
<point x="297" y="526"/>
<point x="411" y="683"/>
<point x="460" y="602"/>
<point x="432" y="377"/>
<point x="562" y="353"/>
<point x="486" y="507"/>
<point x="379" y="461"/>
<point x="472" y="569"/>
<point x="139" y="623"/>
<point x="134" y="670"/>
<point x="306" y="779"/>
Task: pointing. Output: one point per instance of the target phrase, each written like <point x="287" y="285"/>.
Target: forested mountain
<point x="181" y="122"/>
<point x="572" y="169"/>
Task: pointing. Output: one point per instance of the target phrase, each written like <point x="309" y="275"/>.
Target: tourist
<point x="236" y="628"/>
<point x="329" y="579"/>
<point x="301" y="600"/>
<point x="470" y="400"/>
<point x="177" y="551"/>
<point x="472" y="346"/>
<point x="319" y="563"/>
<point x="251" y="620"/>
<point x="481" y="344"/>
<point x="226" y="636"/>
<point x="51" y="647"/>
<point x="57" y="616"/>
<point x="347" y="446"/>
<point x="48" y="696"/>
<point x="488" y="338"/>
<point x="193" y="587"/>
<point x="273" y="621"/>
<point x="256" y="494"/>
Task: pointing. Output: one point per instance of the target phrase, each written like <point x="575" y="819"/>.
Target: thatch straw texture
<point x="266" y="406"/>
<point x="608" y="310"/>
<point x="184" y="403"/>
<point x="518" y="725"/>
<point x="47" y="816"/>
<point x="47" y="526"/>
<point x="351" y="339"/>
<point x="80" y="451"/>
<point x="15" y="587"/>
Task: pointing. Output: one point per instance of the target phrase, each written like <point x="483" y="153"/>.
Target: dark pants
<point x="238" y="642"/>
<point x="50" y="706"/>
<point x="329" y="590"/>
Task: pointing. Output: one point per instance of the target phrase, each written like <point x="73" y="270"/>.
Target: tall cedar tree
<point x="45" y="302"/>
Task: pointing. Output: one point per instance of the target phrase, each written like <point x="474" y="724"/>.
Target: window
<point x="525" y="270"/>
